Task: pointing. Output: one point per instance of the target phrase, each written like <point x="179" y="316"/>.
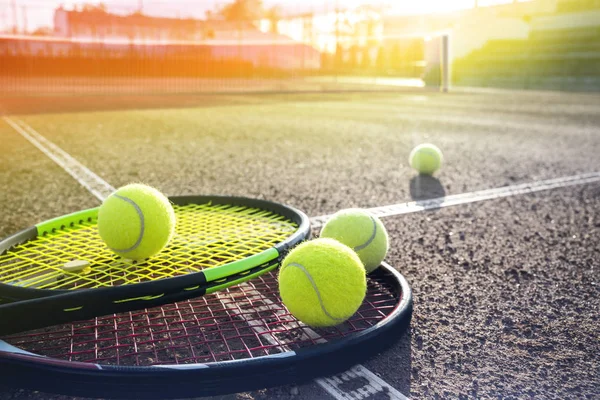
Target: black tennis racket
<point x="60" y="270"/>
<point x="238" y="339"/>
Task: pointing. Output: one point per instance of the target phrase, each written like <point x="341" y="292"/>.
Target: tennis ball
<point x="136" y="221"/>
<point x="322" y="282"/>
<point x="362" y="232"/>
<point x="426" y="158"/>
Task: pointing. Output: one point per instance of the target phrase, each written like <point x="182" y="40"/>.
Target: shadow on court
<point x="394" y="365"/>
<point x="424" y="187"/>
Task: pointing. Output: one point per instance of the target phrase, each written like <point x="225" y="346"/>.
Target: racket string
<point x="241" y="322"/>
<point x="206" y="236"/>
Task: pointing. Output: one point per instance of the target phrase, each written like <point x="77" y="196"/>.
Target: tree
<point x="381" y="61"/>
<point x="354" y="50"/>
<point x="395" y="58"/>
<point x="242" y="10"/>
<point x="94" y="7"/>
<point x="339" y="57"/>
<point x="43" y="31"/>
<point x="273" y="14"/>
<point x="327" y="61"/>
<point x="366" y="59"/>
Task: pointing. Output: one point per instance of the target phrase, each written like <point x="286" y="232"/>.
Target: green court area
<point x="258" y="145"/>
<point x="299" y="110"/>
<point x="500" y="286"/>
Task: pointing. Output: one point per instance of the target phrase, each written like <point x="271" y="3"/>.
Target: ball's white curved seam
<point x="315" y="288"/>
<point x="370" y="240"/>
<point x="140" y="214"/>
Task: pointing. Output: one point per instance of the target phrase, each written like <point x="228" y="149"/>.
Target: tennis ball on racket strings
<point x="362" y="232"/>
<point x="426" y="158"/>
<point x="136" y="221"/>
<point x="322" y="282"/>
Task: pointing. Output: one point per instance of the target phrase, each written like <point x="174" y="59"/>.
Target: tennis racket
<point x="60" y="270"/>
<point x="238" y="339"/>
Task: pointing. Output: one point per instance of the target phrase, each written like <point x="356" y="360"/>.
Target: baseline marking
<point x="472" y="197"/>
<point x="86" y="178"/>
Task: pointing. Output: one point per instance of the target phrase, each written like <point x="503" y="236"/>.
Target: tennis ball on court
<point x="426" y="158"/>
<point x="322" y="282"/>
<point x="136" y="221"/>
<point x="362" y="232"/>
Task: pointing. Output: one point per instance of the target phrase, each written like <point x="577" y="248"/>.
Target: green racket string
<point x="207" y="236"/>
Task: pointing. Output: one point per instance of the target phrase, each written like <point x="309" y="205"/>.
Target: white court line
<point x="331" y="384"/>
<point x="101" y="189"/>
<point x="472" y="197"/>
<point x="86" y="178"/>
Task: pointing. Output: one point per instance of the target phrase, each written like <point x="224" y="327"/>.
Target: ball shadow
<point x="425" y="187"/>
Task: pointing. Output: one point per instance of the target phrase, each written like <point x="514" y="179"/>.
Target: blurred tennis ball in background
<point x="136" y="221"/>
<point x="362" y="232"/>
<point x="322" y="282"/>
<point x="426" y="158"/>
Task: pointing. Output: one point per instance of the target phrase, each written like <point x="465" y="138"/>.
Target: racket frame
<point x="60" y="306"/>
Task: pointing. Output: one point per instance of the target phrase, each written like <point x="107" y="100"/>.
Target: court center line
<point x="472" y="197"/>
<point x="101" y="189"/>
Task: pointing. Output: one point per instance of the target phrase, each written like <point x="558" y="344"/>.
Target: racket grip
<point x="38" y="313"/>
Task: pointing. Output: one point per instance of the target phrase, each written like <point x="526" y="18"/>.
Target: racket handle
<point x="38" y="313"/>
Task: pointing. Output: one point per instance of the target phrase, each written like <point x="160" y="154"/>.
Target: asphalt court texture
<point x="506" y="291"/>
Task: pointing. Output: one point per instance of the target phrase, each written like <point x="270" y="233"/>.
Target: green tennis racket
<point x="60" y="270"/>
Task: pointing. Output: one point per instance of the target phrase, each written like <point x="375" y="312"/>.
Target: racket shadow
<point x="398" y="355"/>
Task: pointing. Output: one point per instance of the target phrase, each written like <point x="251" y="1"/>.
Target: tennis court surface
<point x="505" y="281"/>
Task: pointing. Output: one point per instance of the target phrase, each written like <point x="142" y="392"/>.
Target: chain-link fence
<point x="236" y="46"/>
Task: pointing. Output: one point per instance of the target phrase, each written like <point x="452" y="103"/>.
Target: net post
<point x="437" y="74"/>
<point x="446" y="64"/>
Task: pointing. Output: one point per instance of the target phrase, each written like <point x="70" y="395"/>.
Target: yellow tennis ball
<point x="362" y="232"/>
<point x="136" y="221"/>
<point x="322" y="282"/>
<point x="426" y="158"/>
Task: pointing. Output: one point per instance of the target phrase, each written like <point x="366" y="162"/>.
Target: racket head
<point x="216" y="236"/>
<point x="231" y="341"/>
